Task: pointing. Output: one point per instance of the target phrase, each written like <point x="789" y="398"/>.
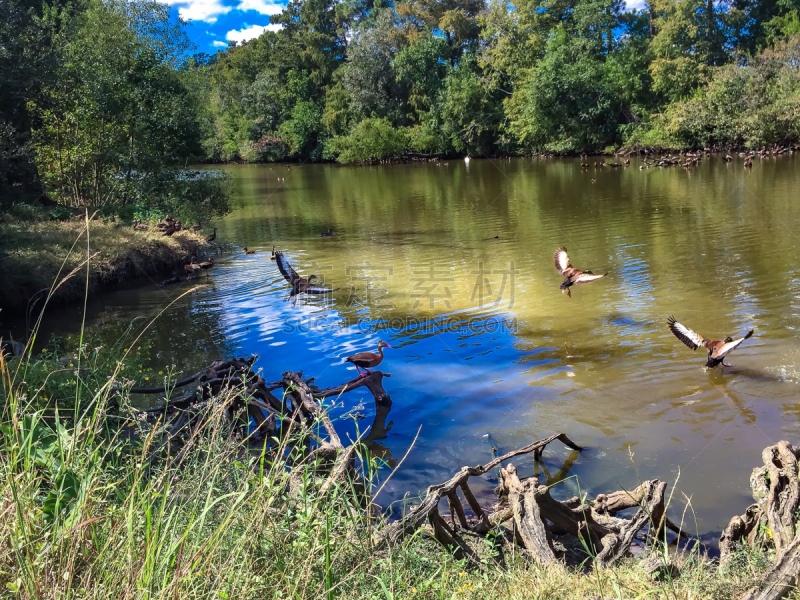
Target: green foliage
<point x="118" y="118"/>
<point x="468" y="115"/>
<point x="423" y="67"/>
<point x="568" y="103"/>
<point x="370" y="140"/>
<point x="99" y="103"/>
<point x="753" y="105"/>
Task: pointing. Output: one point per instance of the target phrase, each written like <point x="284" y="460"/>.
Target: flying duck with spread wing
<point x="571" y="275"/>
<point x="717" y="349"/>
<point x="300" y="285"/>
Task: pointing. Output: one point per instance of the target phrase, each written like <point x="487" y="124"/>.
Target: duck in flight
<point x="717" y="350"/>
<point x="364" y="360"/>
<point x="571" y="275"/>
<point x="300" y="285"/>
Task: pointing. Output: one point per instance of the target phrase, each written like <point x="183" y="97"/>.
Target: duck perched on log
<point x="572" y="276"/>
<point x="717" y="350"/>
<point x="300" y="285"/>
<point x="364" y="360"/>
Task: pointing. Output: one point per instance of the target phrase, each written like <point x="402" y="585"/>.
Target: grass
<point x="82" y="516"/>
<point x="34" y="251"/>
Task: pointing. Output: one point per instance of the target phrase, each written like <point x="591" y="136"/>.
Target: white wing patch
<point x="562" y="260"/>
<point x="725" y="349"/>
<point x="588" y="277"/>
<point x="691" y="338"/>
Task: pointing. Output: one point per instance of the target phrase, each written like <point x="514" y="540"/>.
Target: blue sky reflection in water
<point x="715" y="246"/>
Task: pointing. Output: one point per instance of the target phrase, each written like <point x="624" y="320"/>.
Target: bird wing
<point x="723" y="350"/>
<point x="562" y="260"/>
<point x="692" y="339"/>
<point x="289" y="274"/>
<point x="362" y="357"/>
<point x="587" y="278"/>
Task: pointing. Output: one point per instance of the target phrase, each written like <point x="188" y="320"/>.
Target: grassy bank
<point x="35" y="252"/>
<point x="87" y="510"/>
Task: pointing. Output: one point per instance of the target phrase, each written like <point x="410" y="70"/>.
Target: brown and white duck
<point x="365" y="360"/>
<point x="191" y="268"/>
<point x="300" y="285"/>
<point x="571" y="275"/>
<point x="273" y="254"/>
<point x="717" y="350"/>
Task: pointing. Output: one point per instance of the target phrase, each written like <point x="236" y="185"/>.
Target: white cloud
<point x="263" y="7"/>
<point x="635" y="4"/>
<point x="219" y="44"/>
<point x="249" y="33"/>
<point x="199" y="10"/>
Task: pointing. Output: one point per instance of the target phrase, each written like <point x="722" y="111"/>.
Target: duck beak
<point x="388" y="346"/>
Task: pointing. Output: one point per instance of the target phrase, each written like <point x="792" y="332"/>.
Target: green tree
<point x="27" y="63"/>
<point x="368" y="77"/>
<point x="567" y="104"/>
<point x="118" y="116"/>
<point x="370" y="140"/>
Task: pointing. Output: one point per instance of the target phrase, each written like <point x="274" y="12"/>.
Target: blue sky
<point x="214" y="23"/>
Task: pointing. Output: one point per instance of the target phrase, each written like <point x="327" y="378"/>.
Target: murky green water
<point x="511" y="359"/>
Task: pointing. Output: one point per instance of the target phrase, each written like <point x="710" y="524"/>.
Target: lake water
<point x="452" y="265"/>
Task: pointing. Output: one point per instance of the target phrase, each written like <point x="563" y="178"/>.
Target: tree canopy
<point x="102" y="100"/>
<point x="485" y="78"/>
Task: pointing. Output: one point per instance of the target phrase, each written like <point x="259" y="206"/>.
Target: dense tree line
<point x="362" y="80"/>
<point x="102" y="101"/>
<point x="97" y="109"/>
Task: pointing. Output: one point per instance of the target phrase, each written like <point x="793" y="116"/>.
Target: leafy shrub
<point x="371" y="139"/>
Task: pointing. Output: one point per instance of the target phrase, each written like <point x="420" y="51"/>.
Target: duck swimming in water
<point x="717" y="350"/>
<point x="572" y="276"/>
<point x="364" y="360"/>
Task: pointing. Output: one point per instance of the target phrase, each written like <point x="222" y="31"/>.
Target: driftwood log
<point x="533" y="516"/>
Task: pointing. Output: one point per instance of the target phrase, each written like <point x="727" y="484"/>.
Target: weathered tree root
<point x="776" y="487"/>
<point x="246" y="393"/>
<point x="535" y="516"/>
